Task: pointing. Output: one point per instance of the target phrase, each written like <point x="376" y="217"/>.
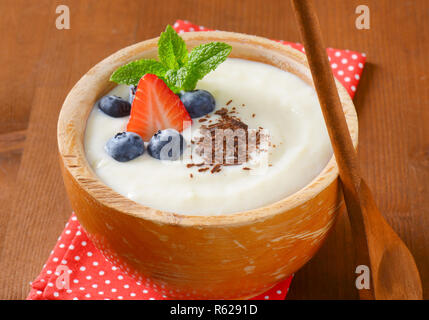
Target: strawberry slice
<point x="155" y="107"/>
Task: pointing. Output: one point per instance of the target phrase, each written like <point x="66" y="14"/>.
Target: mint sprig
<point x="131" y="73"/>
<point x="172" y="49"/>
<point x="179" y="70"/>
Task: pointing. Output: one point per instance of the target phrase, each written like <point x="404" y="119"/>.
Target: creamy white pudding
<point x="262" y="96"/>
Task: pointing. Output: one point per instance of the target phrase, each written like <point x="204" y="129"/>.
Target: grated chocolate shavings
<point x="229" y="102"/>
<point x="232" y="148"/>
<point x="216" y="168"/>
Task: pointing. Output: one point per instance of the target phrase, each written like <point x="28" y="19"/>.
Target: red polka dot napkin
<point x="77" y="270"/>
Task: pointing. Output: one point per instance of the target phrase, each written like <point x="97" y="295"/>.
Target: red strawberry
<point x="155" y="107"/>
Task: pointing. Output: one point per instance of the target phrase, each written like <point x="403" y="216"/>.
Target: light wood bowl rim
<point x="72" y="124"/>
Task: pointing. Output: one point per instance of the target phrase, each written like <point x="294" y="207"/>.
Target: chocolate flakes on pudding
<point x="227" y="141"/>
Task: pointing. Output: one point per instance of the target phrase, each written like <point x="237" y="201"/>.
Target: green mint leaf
<point x="178" y="69"/>
<point x="172" y="50"/>
<point x="173" y="80"/>
<point x="131" y="73"/>
<point x="202" y="60"/>
<point x="187" y="77"/>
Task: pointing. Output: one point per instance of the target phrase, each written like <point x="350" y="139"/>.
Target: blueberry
<point x="114" y="106"/>
<point x="198" y="102"/>
<point x="166" y="144"/>
<point x="125" y="146"/>
<point x="132" y="93"/>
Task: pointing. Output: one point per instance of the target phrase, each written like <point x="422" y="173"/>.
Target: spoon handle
<point x="327" y="92"/>
<point x="336" y="124"/>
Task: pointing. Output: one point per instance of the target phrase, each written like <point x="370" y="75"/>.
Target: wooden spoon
<point x="394" y="274"/>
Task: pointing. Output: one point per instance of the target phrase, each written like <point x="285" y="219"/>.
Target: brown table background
<point x="40" y="64"/>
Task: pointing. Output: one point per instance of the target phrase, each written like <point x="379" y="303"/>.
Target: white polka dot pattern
<point x="94" y="277"/>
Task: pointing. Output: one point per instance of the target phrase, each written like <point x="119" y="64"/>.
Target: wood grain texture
<point x="21" y="51"/>
<point x="42" y="63"/>
<point x="394" y="272"/>
<point x="12" y="141"/>
<point x="11" y="147"/>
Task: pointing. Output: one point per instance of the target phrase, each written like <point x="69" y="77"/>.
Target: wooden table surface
<point x="40" y="64"/>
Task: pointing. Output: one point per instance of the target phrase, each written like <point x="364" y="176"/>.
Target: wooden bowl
<point x="190" y="257"/>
